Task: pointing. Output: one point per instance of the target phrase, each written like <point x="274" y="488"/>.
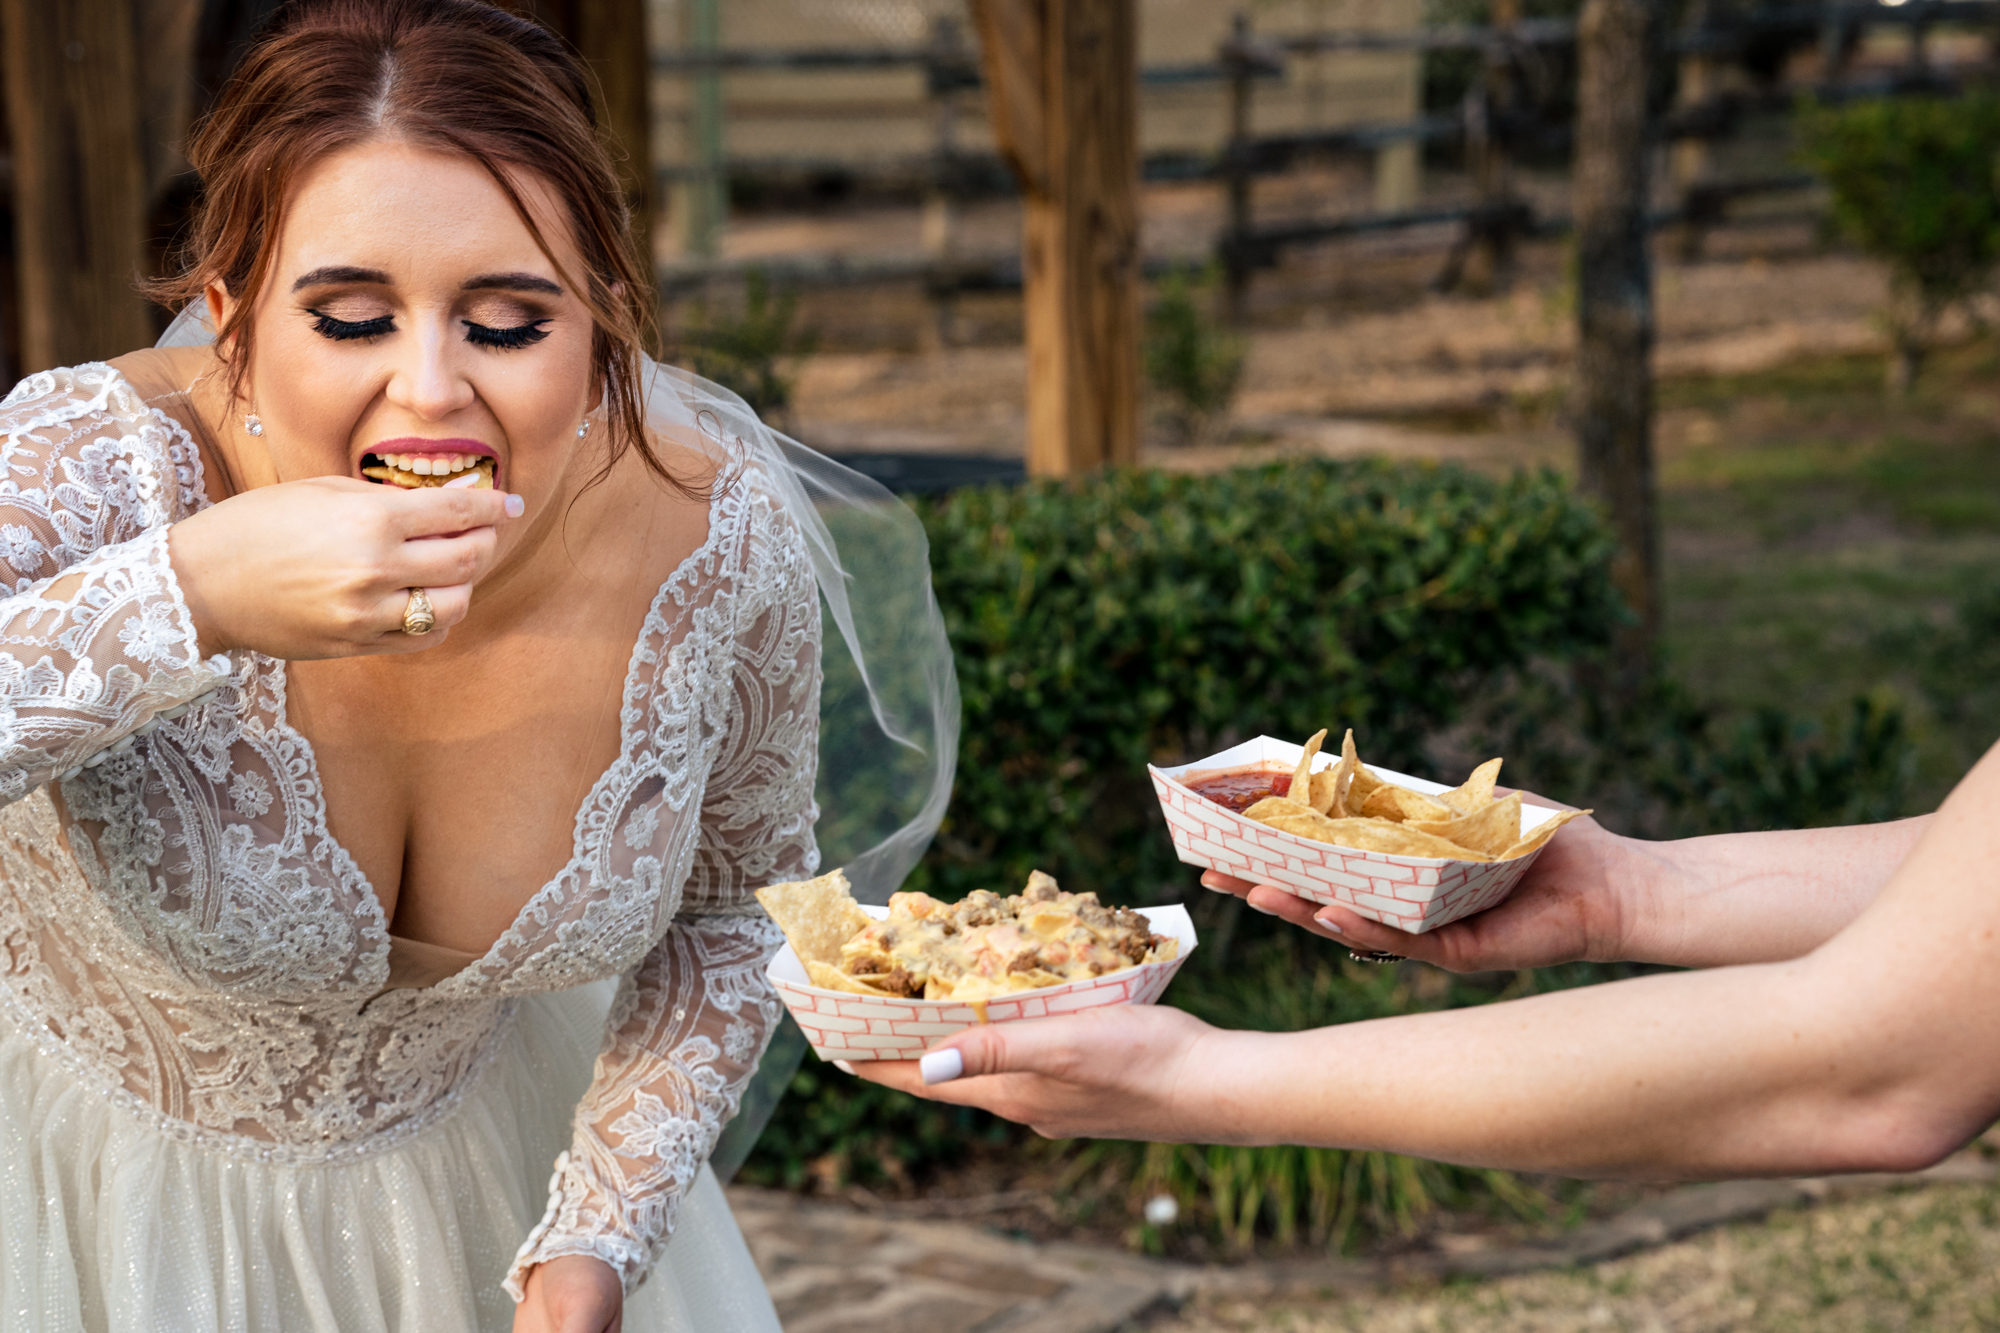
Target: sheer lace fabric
<point x="181" y="934"/>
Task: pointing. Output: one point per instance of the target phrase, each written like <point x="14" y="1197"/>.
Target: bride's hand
<point x="1128" y="1071"/>
<point x="1578" y="901"/>
<point x="322" y="568"/>
<point x="572" y="1293"/>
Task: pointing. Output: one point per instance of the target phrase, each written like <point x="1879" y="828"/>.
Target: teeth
<point x="421" y="466"/>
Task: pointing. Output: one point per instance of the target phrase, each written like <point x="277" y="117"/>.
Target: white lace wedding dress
<point x="228" y="1098"/>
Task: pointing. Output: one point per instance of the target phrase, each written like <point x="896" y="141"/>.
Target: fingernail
<point x="1253" y="907"/>
<point x="463" y="481"/>
<point x="941" y="1066"/>
<point x="843" y="1066"/>
<point x="516" y="506"/>
<point x="1329" y="925"/>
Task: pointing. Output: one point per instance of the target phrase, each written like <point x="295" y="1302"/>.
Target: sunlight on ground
<point x="1927" y="1259"/>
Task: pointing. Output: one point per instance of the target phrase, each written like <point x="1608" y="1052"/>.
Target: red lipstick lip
<point x="415" y="444"/>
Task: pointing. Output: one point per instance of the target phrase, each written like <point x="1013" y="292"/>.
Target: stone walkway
<point x="836" y="1269"/>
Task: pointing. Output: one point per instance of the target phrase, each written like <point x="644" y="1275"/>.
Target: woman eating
<point x="383" y="668"/>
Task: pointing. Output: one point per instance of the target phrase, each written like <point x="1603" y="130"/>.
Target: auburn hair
<point x="459" y="76"/>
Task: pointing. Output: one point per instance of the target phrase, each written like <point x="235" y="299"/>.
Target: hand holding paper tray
<point x="1411" y="853"/>
<point x="844" y="1021"/>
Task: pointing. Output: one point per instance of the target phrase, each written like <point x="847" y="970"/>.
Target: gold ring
<point x="418" y="618"/>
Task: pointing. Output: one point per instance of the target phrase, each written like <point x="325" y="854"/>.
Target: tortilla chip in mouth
<point x="389" y="470"/>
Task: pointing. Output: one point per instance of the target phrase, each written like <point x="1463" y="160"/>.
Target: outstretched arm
<point x="1596" y="896"/>
<point x="1865" y="1053"/>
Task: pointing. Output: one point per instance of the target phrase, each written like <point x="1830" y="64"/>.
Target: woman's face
<point x="413" y="333"/>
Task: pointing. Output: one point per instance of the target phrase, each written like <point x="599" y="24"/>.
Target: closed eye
<point x="342" y="330"/>
<point x="518" y="335"/>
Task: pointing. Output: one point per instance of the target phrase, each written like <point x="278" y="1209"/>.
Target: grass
<point x="1816" y="528"/>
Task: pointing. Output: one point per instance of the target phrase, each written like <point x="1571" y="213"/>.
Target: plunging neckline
<point x="345" y="864"/>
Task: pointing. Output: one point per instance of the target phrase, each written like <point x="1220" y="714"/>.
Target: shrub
<point x="1913" y="184"/>
<point x="745" y="350"/>
<point x="1192" y="362"/>
<point x="1672" y="767"/>
<point x="1146" y="617"/>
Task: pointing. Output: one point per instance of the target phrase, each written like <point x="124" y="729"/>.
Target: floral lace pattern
<point x="178" y="924"/>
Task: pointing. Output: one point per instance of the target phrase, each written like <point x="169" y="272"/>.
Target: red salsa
<point x="1241" y="788"/>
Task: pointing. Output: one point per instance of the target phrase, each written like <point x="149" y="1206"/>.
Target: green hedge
<point x="1145" y="616"/>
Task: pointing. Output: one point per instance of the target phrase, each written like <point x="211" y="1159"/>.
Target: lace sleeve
<point x="687" y="1029"/>
<point x="95" y="640"/>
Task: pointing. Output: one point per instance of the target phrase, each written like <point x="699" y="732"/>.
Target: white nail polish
<point x="1253" y="907"/>
<point x="843" y="1066"/>
<point x="1329" y="925"/>
<point x="941" y="1066"/>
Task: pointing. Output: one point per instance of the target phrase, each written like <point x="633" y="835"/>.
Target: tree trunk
<point x="1062" y="77"/>
<point x="72" y="89"/>
<point x="1614" y="387"/>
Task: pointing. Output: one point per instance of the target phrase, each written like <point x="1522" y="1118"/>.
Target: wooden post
<point x="1688" y="159"/>
<point x="1493" y="166"/>
<point x="1236" y="226"/>
<point x="73" y="113"/>
<point x="1614" y="387"/>
<point x="1062" y="78"/>
<point x="611" y="37"/>
<point x="949" y="71"/>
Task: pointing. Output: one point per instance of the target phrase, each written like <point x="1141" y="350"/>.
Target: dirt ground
<point x="1928" y="1259"/>
<point x="1350" y="350"/>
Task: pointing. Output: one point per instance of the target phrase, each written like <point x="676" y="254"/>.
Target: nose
<point x="428" y="381"/>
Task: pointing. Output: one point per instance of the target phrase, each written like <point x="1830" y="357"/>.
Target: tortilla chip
<point x="817" y="915"/>
<point x="1373" y="835"/>
<point x="1272" y="806"/>
<point x="1543" y="832"/>
<point x="1492" y="829"/>
<point x="1364" y="785"/>
<point x="1476" y="792"/>
<point x="828" y="977"/>
<point x="1400" y="804"/>
<point x="1302" y="776"/>
<point x="1330" y="787"/>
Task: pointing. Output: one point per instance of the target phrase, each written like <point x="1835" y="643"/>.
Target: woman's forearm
<point x="1869" y="1052"/>
<point x="1758" y="897"/>
<point x="1746" y="1071"/>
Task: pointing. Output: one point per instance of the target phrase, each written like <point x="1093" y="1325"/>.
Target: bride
<point x="375" y="677"/>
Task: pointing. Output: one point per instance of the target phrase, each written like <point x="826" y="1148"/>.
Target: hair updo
<point x="457" y="76"/>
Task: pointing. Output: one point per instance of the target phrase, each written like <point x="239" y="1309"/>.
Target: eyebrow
<point x="485" y="282"/>
<point x="512" y="282"/>
<point x="320" y="277"/>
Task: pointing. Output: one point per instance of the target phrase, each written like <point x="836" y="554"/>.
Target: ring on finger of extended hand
<point x="1373" y="956"/>
<point x="418" y="617"/>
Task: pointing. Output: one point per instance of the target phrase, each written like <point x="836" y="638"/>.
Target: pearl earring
<point x="583" y="429"/>
<point x="254" y="424"/>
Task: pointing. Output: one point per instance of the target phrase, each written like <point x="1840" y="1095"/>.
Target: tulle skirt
<point x="109" y="1224"/>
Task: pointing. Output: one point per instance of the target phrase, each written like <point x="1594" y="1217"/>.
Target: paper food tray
<point x="1413" y="893"/>
<point x="844" y="1026"/>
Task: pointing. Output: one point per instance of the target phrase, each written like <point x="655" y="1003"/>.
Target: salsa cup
<point x="844" y="1026"/>
<point x="1412" y="893"/>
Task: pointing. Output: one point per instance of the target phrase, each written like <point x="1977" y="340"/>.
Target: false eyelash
<point x="341" y="330"/>
<point x="520" y="335"/>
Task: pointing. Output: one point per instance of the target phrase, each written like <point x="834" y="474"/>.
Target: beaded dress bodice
<point x="179" y="926"/>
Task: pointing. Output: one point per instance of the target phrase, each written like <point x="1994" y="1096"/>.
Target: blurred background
<point x="1251" y="373"/>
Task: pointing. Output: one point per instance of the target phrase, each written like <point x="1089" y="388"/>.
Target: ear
<point x="220" y="303"/>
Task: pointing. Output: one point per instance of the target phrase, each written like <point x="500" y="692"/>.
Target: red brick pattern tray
<point x="1413" y="893"/>
<point x="843" y="1026"/>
